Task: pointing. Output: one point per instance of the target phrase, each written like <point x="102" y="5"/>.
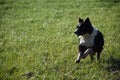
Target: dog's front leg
<point x="87" y="52"/>
<point x="79" y="57"/>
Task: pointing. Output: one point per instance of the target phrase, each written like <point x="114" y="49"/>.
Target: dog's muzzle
<point x="76" y="31"/>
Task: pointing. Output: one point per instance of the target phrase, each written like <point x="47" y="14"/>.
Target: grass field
<point x="37" y="40"/>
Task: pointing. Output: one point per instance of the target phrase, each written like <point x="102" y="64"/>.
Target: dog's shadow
<point x="113" y="64"/>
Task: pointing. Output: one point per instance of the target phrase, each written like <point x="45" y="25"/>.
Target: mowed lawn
<point x="37" y="40"/>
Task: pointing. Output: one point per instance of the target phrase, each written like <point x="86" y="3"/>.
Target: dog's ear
<point x="80" y="20"/>
<point x="87" y="21"/>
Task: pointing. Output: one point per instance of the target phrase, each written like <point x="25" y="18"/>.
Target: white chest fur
<point x="88" y="39"/>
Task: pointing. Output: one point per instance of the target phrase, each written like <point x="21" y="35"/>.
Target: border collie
<point x="91" y="40"/>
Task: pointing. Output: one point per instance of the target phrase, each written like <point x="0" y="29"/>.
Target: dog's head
<point x="83" y="27"/>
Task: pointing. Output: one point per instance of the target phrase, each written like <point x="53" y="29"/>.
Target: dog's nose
<point x="75" y="32"/>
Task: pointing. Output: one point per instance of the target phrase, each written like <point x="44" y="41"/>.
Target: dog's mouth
<point x="78" y="34"/>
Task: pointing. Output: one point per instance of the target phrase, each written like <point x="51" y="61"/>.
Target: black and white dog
<point x="91" y="40"/>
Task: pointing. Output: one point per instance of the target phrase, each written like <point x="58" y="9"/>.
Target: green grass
<point x="37" y="40"/>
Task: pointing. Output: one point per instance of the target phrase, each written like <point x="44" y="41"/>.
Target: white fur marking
<point x="88" y="39"/>
<point x="78" y="58"/>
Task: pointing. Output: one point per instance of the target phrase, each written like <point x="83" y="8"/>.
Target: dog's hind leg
<point x="91" y="56"/>
<point x="98" y="55"/>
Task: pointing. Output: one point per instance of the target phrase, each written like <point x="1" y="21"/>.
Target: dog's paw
<point x="77" y="61"/>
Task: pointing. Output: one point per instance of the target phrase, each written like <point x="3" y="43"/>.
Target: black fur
<point x="98" y="42"/>
<point x="83" y="28"/>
